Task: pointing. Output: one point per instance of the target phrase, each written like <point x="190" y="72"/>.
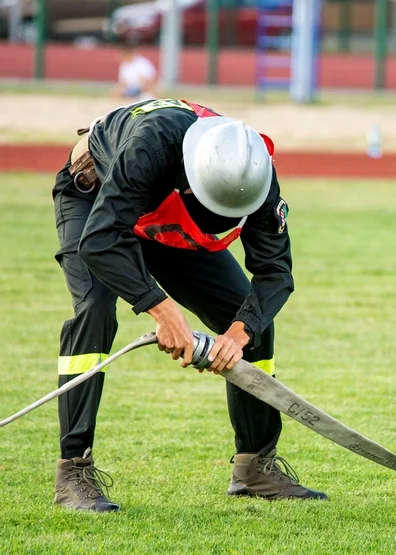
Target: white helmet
<point x="228" y="166"/>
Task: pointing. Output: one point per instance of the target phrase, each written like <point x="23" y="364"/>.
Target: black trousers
<point x="211" y="285"/>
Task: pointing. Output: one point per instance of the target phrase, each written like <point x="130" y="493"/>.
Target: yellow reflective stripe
<point x="267" y="366"/>
<point x="160" y="103"/>
<point x="78" y="364"/>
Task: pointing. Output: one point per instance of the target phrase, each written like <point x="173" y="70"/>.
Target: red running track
<point x="51" y="158"/>
<point x="235" y="67"/>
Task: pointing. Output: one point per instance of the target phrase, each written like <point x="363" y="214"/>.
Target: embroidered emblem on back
<point x="160" y="103"/>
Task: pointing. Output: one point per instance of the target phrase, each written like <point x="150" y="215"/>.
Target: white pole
<point x="14" y="20"/>
<point x="170" y="45"/>
<point x="305" y="42"/>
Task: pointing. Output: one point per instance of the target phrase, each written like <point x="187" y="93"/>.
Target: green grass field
<point x="163" y="432"/>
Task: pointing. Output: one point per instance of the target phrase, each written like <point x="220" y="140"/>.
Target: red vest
<point x="171" y="224"/>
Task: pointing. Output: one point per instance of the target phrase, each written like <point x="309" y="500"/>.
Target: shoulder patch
<point x="282" y="211"/>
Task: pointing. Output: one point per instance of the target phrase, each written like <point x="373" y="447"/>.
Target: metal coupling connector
<point x="202" y="346"/>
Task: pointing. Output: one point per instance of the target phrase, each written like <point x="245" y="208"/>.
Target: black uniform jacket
<point x="139" y="161"/>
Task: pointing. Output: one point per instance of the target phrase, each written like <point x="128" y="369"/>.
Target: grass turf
<point x="163" y="432"/>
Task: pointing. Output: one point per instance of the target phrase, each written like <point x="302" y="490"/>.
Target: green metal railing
<point x="41" y="34"/>
<point x="381" y="42"/>
<point x="380" y="34"/>
<point x="212" y="39"/>
<point x="344" y="31"/>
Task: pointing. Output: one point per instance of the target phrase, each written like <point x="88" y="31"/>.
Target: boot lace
<point x="268" y="465"/>
<point x="93" y="481"/>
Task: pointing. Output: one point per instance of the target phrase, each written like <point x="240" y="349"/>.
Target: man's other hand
<point x="228" y="348"/>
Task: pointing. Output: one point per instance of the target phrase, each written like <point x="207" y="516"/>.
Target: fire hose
<point x="256" y="382"/>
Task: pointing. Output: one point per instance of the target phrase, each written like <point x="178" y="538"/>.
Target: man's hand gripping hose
<point x="257" y="383"/>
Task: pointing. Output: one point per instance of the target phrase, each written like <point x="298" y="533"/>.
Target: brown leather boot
<point x="79" y="485"/>
<point x="261" y="476"/>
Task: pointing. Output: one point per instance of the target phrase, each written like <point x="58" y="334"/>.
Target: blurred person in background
<point x="137" y="75"/>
